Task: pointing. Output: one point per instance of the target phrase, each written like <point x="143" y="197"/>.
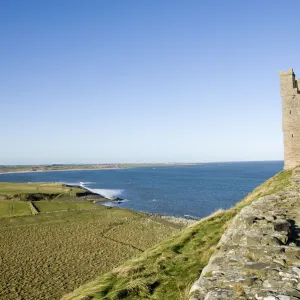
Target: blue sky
<point x="144" y="81"/>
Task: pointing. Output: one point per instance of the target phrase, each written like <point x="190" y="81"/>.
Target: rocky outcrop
<point x="259" y="255"/>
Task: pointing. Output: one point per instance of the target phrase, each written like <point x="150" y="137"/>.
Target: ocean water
<point x="190" y="191"/>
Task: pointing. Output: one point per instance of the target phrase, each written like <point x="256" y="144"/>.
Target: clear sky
<point x="144" y="81"/>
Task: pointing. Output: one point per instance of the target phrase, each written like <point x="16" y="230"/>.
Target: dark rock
<point x="282" y="225"/>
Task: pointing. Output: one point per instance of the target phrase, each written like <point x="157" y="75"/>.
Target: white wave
<point x="124" y="200"/>
<point x="109" y="194"/>
<point x="109" y="204"/>
<point x="77" y="183"/>
<point x="191" y="217"/>
<point x="69" y="183"/>
<point x="86" y="182"/>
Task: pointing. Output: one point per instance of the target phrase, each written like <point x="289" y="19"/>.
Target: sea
<point x="190" y="191"/>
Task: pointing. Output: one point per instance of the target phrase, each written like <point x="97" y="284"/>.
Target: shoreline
<point x="178" y="220"/>
<point x="101" y="200"/>
<point x="130" y="166"/>
<point x="41" y="171"/>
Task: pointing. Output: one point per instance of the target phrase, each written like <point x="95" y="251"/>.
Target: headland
<point x="61" y="237"/>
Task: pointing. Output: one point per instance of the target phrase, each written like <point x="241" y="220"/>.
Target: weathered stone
<point x="220" y="294"/>
<point x="290" y="118"/>
<point x="294" y="293"/>
<point x="251" y="241"/>
<point x="296" y="270"/>
<point x="279" y="239"/>
<point x="277" y="297"/>
<point x="282" y="225"/>
<point x="283" y="297"/>
<point x="253" y="260"/>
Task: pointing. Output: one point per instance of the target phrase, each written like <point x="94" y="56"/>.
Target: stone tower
<point x="290" y="95"/>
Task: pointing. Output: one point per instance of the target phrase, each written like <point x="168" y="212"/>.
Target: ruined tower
<point x="290" y="95"/>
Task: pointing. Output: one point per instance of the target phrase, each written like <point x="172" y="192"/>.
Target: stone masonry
<point x="258" y="257"/>
<point x="290" y="95"/>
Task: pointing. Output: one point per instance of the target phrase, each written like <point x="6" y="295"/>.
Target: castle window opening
<point x="290" y="112"/>
<point x="292" y="135"/>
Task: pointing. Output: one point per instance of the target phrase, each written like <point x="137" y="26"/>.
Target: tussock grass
<point x="44" y="256"/>
<point x="167" y="270"/>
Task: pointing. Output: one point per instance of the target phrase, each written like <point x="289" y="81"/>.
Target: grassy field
<point x="49" y="206"/>
<point x="26" y="191"/>
<point x="14" y="208"/>
<point x="9" y="188"/>
<point x="15" y="198"/>
<point x="168" y="270"/>
<point x="47" y="255"/>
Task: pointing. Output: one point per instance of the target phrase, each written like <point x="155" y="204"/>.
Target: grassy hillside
<point x="44" y="256"/>
<point x="168" y="270"/>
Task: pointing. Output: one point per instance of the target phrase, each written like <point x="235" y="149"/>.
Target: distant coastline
<point x="86" y="167"/>
<point x="53" y="170"/>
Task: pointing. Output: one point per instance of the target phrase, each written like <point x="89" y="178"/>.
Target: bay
<point x="183" y="191"/>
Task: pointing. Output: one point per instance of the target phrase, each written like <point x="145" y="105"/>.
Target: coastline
<point x="40" y="171"/>
<point x="116" y="167"/>
<point x="99" y="199"/>
<point x="180" y="220"/>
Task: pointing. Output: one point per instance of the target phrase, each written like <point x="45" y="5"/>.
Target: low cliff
<point x="258" y="257"/>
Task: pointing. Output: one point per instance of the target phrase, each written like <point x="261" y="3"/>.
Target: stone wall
<point x="258" y="257"/>
<point x="290" y="118"/>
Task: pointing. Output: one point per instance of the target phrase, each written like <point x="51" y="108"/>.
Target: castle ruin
<point x="290" y="95"/>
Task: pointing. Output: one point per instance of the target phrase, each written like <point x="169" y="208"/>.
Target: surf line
<point x="110" y="194"/>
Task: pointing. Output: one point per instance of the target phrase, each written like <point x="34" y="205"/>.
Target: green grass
<point x="14" y="208"/>
<point x="10" y="188"/>
<point x="49" y="206"/>
<point x="169" y="269"/>
<point x="13" y="198"/>
<point x="47" y="255"/>
<point x="37" y="191"/>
